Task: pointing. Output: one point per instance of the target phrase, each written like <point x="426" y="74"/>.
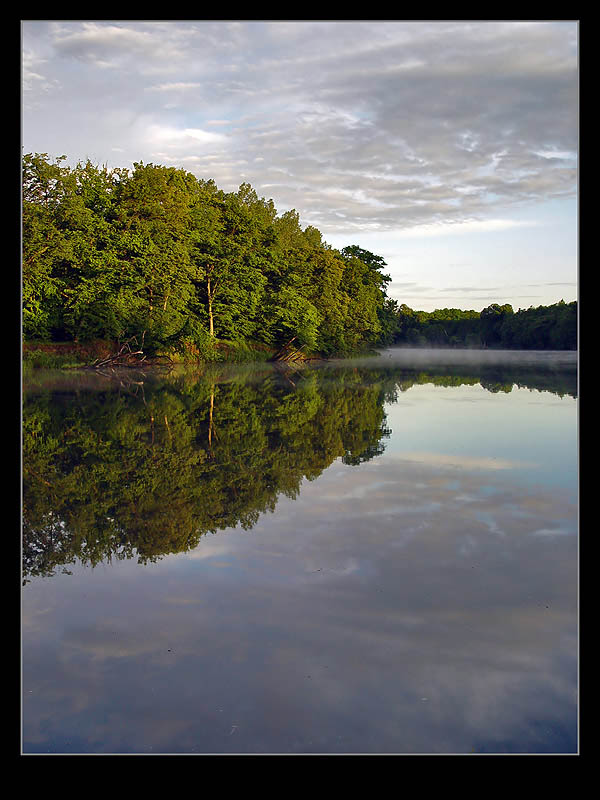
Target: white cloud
<point x="560" y="154"/>
<point x="173" y="137"/>
<point x="464" y="227"/>
<point x="179" y="86"/>
<point x="553" y="532"/>
<point x="92" y="41"/>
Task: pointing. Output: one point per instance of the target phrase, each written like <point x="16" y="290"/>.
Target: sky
<point x="449" y="148"/>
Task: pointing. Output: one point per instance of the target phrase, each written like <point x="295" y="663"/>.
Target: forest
<point x="161" y="257"/>
<point x="497" y="326"/>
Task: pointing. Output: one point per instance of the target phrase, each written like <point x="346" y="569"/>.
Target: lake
<point x="376" y="555"/>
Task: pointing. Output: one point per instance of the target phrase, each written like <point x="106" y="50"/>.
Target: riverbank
<point x="70" y="355"/>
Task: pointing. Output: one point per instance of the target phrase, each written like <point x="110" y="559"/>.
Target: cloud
<point x="464" y="227"/>
<point x="557" y="283"/>
<point x="179" y="86"/>
<point x="472" y="289"/>
<point x="383" y="124"/>
<point x="182" y="139"/>
<point x="553" y="532"/>
<point x="460" y="461"/>
<point x="32" y="74"/>
<point x="101" y="43"/>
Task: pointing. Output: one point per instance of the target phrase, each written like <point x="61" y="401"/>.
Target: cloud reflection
<point x="330" y="632"/>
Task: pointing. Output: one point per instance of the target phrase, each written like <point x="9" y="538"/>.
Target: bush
<point x="40" y="359"/>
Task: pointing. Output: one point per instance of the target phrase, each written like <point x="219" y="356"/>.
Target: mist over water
<point x="424" y="356"/>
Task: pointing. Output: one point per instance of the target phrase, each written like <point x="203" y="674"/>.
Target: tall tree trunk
<point x="211" y="328"/>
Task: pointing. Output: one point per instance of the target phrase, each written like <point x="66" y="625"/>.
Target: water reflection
<point x="414" y="589"/>
<point x="119" y="466"/>
<point x="116" y="472"/>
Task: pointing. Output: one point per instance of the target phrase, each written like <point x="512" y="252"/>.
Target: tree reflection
<point x="139" y="469"/>
<point x="113" y="474"/>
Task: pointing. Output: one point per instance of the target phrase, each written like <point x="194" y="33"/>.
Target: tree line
<point x="158" y="255"/>
<point x="161" y="254"/>
<point x="551" y="327"/>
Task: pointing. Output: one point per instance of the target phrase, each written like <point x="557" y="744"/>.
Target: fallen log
<point x="125" y="356"/>
<point x="288" y="354"/>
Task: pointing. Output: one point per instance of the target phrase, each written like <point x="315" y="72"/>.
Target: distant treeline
<point x="169" y="259"/>
<point x="543" y="328"/>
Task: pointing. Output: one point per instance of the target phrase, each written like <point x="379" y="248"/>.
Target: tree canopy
<point x="497" y="326"/>
<point x="159" y="252"/>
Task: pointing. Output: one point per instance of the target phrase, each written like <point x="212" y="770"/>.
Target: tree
<point x="491" y="319"/>
<point x="93" y="301"/>
<point x="373" y="261"/>
<point x="229" y="255"/>
<point x="160" y="254"/>
<point x="153" y="223"/>
<point x="44" y="243"/>
<point x="326" y="292"/>
<point x="366" y="287"/>
<point x="291" y="317"/>
<point x="389" y="321"/>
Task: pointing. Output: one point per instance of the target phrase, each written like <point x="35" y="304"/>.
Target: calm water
<point x="368" y="556"/>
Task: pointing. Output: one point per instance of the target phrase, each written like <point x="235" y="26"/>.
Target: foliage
<point x="542" y="328"/>
<point x="41" y="359"/>
<point x="159" y="254"/>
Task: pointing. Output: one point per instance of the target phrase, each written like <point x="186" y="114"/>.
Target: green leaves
<point x="543" y="328"/>
<point x="113" y="254"/>
<point x="289" y="315"/>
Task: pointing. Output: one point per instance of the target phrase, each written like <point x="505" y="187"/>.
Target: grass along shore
<point x="73" y="355"/>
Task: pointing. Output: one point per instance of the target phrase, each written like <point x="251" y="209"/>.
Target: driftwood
<point x="125" y="356"/>
<point x="288" y="354"/>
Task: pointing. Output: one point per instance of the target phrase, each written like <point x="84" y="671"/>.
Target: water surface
<point x="367" y="556"/>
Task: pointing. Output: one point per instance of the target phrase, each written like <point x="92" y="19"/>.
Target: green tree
<point x="491" y="320"/>
<point x="366" y="287"/>
<point x="153" y="229"/>
<point x="389" y="321"/>
<point x="228" y="252"/>
<point x="94" y="305"/>
<point x="44" y="244"/>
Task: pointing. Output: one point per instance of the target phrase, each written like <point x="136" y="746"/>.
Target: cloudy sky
<point x="449" y="148"/>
